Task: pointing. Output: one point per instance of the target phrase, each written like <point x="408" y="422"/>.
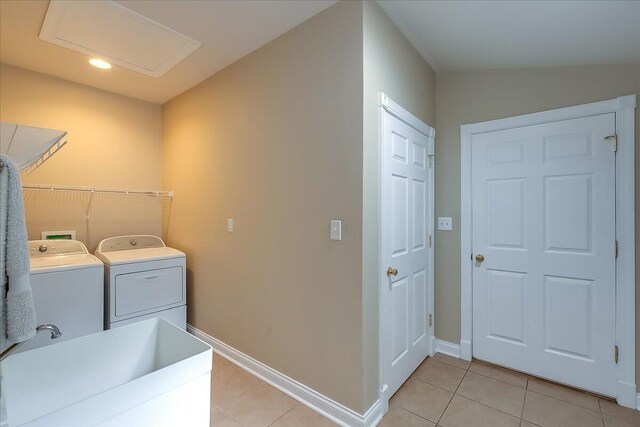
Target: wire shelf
<point x="96" y="213"/>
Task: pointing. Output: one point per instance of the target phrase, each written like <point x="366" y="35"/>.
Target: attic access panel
<point x="107" y="30"/>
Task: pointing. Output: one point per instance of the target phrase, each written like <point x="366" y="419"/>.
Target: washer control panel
<point x="47" y="248"/>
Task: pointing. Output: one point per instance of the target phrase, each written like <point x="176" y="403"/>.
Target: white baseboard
<point x="325" y="406"/>
<point x="627" y="394"/>
<point x="465" y="350"/>
<point x="432" y="345"/>
<point x="448" y="348"/>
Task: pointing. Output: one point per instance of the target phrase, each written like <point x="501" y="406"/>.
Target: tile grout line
<point x="589" y="408"/>
<point x="452" y="396"/>
<point x="483" y="404"/>
<point x="449" y="364"/>
<point x="438" y="387"/>
<point x="533" y="424"/>
<point x="524" y="402"/>
<point x="502" y="381"/>
<point x="569" y="388"/>
<point x="222" y="408"/>
<point x="233" y="399"/>
<point x="286" y="412"/>
<point x="563" y="401"/>
<point x="567" y="403"/>
<point x="527" y="390"/>
<point x="490" y="407"/>
<point x="601" y="414"/>
<point x="496" y="379"/>
<point x="411" y="412"/>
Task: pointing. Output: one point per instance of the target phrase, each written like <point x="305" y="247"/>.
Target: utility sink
<point x="142" y="374"/>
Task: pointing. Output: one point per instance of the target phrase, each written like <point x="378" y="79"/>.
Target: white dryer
<point x="68" y="290"/>
<point x="143" y="279"/>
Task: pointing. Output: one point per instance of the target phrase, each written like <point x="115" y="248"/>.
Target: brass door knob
<point x="392" y="271"/>
<point x="479" y="258"/>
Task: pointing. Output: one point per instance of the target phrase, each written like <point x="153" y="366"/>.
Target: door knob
<point x="479" y="258"/>
<point x="392" y="271"/>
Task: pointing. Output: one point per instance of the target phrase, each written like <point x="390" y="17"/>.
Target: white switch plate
<point x="336" y="229"/>
<point x="230" y="225"/>
<point x="444" y="223"/>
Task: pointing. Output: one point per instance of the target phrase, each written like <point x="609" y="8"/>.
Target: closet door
<point x="543" y="250"/>
<point x="406" y="219"/>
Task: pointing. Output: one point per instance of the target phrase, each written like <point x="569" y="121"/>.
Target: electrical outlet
<point x="444" y="223"/>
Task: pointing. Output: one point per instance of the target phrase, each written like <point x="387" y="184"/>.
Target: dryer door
<point x="148" y="291"/>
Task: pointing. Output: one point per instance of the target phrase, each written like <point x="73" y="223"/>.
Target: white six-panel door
<point x="543" y="209"/>
<point x="406" y="216"/>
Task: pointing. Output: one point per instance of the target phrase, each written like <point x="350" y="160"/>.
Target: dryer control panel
<point x="47" y="248"/>
<point x="123" y="243"/>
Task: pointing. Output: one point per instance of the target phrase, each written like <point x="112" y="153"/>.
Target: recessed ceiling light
<point x="99" y="63"/>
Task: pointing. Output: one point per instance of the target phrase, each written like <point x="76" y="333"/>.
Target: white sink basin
<point x="145" y="373"/>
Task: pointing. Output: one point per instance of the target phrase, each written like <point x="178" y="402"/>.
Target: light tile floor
<point x="444" y="391"/>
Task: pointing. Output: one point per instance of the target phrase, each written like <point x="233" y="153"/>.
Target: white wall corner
<point x="320" y="403"/>
<point x="447" y="348"/>
<point x="382" y="99"/>
<point x="465" y="129"/>
<point x="627" y="395"/>
<point x="465" y="350"/>
<point x="628" y="101"/>
<point x="374" y="415"/>
<point x="404" y="115"/>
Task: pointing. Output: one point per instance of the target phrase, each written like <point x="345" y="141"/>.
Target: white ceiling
<point x="228" y="30"/>
<point x="451" y="35"/>
<point x="468" y="35"/>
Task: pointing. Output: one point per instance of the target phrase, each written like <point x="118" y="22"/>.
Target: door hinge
<point x="430" y="160"/>
<point x="430" y="320"/>
<point x="614" y="137"/>
<point x="615" y="249"/>
<point x="615" y="353"/>
<point x="429" y="240"/>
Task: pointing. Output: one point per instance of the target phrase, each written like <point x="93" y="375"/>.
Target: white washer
<point x="143" y="279"/>
<point x="68" y="290"/>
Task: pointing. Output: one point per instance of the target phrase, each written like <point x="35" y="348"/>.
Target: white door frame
<point x="623" y="107"/>
<point x="386" y="105"/>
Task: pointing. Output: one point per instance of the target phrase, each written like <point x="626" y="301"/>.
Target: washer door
<point x="147" y="291"/>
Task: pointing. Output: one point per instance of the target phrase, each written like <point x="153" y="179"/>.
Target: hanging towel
<point x="17" y="314"/>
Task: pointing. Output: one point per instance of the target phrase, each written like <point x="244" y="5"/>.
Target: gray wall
<point x="393" y="66"/>
<point x="477" y="96"/>
<point x="303" y="106"/>
<point x="274" y="141"/>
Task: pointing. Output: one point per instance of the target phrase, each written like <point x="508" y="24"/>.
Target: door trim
<point x="386" y="105"/>
<point x="623" y="107"/>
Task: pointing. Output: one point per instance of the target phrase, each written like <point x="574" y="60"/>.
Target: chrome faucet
<point x="55" y="332"/>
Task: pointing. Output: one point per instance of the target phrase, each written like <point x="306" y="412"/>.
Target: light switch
<point x="336" y="229"/>
<point x="444" y="223"/>
<point x="230" y="225"/>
